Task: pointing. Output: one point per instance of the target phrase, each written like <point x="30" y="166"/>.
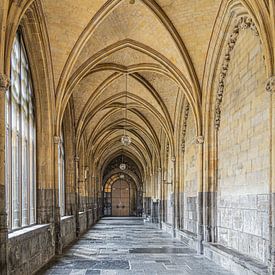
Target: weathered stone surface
<point x="243" y="155"/>
<point x="29" y="249"/>
<point x="82" y="222"/>
<point x="68" y="230"/>
<point x="128" y="246"/>
<point x="45" y="205"/>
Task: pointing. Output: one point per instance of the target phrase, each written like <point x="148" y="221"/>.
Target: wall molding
<point x="184" y="128"/>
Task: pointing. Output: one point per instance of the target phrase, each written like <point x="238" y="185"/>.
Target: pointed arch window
<point x="20" y="141"/>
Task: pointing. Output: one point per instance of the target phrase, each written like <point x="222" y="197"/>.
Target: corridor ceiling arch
<point x="101" y="15"/>
<point x="106" y="133"/>
<point x="117" y="154"/>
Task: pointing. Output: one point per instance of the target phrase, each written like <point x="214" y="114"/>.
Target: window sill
<point x="27" y="230"/>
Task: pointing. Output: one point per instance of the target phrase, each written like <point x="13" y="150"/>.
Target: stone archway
<point x="121" y="196"/>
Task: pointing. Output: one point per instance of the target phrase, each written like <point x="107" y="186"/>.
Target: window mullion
<point x="28" y="150"/>
<point x="20" y="137"/>
<point x="9" y="158"/>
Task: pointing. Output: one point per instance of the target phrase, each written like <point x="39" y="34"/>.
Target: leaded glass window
<point x="20" y="141"/>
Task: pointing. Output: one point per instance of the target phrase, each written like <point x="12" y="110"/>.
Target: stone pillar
<point x="4" y="85"/>
<point x="57" y="220"/>
<point x="159" y="196"/>
<point x="69" y="185"/>
<point x="76" y="162"/>
<point x="200" y="233"/>
<point x="93" y="196"/>
<point x="270" y="88"/>
<point x="175" y="182"/>
<point x="87" y="195"/>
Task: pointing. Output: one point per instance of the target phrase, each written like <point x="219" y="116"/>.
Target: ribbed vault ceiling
<point x="160" y="46"/>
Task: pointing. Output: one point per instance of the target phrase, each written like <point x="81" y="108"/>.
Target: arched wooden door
<point x="120" y="198"/>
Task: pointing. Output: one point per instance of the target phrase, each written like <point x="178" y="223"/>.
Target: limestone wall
<point x="83" y="222"/>
<point x="68" y="230"/>
<point x="243" y="152"/>
<point x="29" y="249"/>
<point x="190" y="177"/>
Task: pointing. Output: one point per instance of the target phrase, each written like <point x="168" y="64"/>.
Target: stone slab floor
<point x="128" y="246"/>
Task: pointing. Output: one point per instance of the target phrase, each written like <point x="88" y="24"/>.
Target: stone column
<point x="175" y="182"/>
<point x="76" y="163"/>
<point x="57" y="220"/>
<point x="93" y="196"/>
<point x="200" y="233"/>
<point x="69" y="185"/>
<point x="4" y="85"/>
<point x="270" y="88"/>
<point x="87" y="195"/>
<point x="159" y="196"/>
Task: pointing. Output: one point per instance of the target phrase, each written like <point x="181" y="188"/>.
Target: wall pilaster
<point x="200" y="228"/>
<point x="270" y="89"/>
<point x="4" y="85"/>
<point x="57" y="218"/>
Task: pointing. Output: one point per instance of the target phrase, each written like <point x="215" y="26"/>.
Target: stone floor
<point x="128" y="246"/>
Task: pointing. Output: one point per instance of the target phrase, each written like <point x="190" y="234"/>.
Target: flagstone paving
<point x="118" y="246"/>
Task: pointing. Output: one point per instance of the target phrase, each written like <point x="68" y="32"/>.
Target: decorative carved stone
<point x="4" y="82"/>
<point x="186" y="112"/>
<point x="242" y="23"/>
<point x="270" y="85"/>
<point x="199" y="139"/>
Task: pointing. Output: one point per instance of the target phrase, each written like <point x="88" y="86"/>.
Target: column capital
<point x="199" y="139"/>
<point x="4" y="82"/>
<point x="270" y="85"/>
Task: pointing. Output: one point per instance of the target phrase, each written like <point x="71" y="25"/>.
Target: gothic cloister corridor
<point x="121" y="246"/>
<point x="137" y="137"/>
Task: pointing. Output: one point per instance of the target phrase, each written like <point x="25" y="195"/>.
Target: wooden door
<point x="120" y="199"/>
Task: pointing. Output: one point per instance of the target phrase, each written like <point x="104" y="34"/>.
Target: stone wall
<point x="243" y="152"/>
<point x="29" y="249"/>
<point x="68" y="230"/>
<point x="170" y="205"/>
<point x="90" y="218"/>
<point x="82" y="222"/>
<point x="147" y="205"/>
<point x="190" y="177"/>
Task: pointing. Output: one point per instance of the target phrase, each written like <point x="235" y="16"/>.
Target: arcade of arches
<point x="190" y="82"/>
